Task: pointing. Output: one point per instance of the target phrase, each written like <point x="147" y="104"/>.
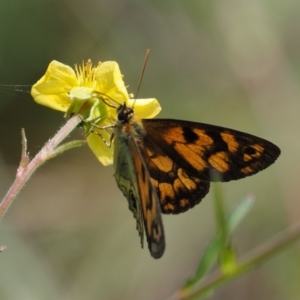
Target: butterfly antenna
<point x="142" y="75"/>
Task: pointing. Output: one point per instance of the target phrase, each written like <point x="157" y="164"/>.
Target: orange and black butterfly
<point x="165" y="166"/>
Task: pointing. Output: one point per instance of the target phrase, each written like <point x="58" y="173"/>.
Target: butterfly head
<point x="124" y="113"/>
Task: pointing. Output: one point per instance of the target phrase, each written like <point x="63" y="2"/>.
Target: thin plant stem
<point x="27" y="167"/>
<point x="253" y="259"/>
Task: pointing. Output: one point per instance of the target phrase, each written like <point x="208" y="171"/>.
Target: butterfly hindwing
<point x="211" y="152"/>
<point x="177" y="189"/>
<point x="134" y="180"/>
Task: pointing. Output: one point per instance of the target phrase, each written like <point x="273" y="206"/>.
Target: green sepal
<point x="88" y="105"/>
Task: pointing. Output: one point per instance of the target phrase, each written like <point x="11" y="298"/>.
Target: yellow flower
<point x="86" y="90"/>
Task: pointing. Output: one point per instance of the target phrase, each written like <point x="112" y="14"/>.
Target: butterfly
<point x="165" y="166"/>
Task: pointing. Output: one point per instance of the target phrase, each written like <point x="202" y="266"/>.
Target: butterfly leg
<point x="108" y="144"/>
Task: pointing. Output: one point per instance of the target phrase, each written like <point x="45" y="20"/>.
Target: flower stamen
<point x="85" y="74"/>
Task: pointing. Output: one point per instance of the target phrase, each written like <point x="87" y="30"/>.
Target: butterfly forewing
<point x="150" y="204"/>
<point x="208" y="152"/>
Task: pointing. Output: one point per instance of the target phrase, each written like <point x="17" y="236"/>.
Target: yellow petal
<point x="110" y="82"/>
<point x="98" y="146"/>
<point x="53" y="88"/>
<point x="145" y="108"/>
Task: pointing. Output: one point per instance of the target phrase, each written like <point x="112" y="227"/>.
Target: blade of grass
<point x="212" y="251"/>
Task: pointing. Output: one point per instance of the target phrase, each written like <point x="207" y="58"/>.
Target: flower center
<point x="85" y="74"/>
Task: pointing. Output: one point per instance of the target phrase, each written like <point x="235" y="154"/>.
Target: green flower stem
<point x="252" y="260"/>
<point x="27" y="167"/>
<point x="220" y="217"/>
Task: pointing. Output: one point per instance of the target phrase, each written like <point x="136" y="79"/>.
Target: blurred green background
<point x="234" y="63"/>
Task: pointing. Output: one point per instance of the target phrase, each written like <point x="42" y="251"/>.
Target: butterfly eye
<point x="124" y="113"/>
